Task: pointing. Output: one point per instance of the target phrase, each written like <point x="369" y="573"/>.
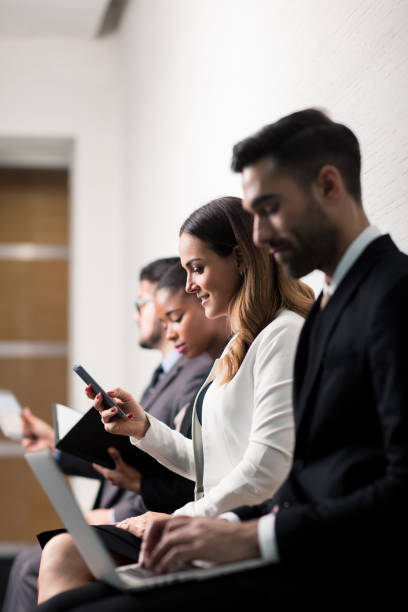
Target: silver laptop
<point x="93" y="550"/>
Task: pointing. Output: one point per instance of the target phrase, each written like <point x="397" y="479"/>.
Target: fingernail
<point x="130" y="416"/>
<point x="111" y="393"/>
<point x="116" y="523"/>
<point x="99" y="396"/>
<point x="113" y="410"/>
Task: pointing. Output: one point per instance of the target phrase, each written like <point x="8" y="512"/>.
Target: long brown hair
<point x="264" y="290"/>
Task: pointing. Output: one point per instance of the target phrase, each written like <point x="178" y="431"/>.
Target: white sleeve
<point x="169" y="447"/>
<point x="267" y="538"/>
<point x="268" y="456"/>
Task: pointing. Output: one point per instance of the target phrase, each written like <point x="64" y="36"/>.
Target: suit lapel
<point x="333" y="311"/>
<point x="165" y="380"/>
<point x="198" y="438"/>
<point x="302" y="351"/>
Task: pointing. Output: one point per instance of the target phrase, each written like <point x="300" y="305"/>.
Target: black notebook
<point x="84" y="436"/>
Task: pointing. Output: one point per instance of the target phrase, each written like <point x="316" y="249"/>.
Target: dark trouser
<point x="270" y="588"/>
<point x="21" y="594"/>
<point x="241" y="591"/>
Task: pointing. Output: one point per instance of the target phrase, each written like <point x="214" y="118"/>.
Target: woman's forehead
<point x="171" y="297"/>
<point x="191" y="247"/>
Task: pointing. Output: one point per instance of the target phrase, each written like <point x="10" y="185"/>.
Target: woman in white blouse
<point x="242" y="451"/>
<point x="243" y="433"/>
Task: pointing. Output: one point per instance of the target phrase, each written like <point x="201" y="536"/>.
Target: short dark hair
<point x="175" y="278"/>
<point x="153" y="271"/>
<point x="303" y="142"/>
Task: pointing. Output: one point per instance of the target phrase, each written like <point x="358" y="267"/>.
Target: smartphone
<point x="107" y="400"/>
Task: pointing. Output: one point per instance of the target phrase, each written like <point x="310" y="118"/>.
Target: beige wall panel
<point x="33" y="206"/>
<point x="25" y="509"/>
<point x="33" y="303"/>
<point x="36" y="382"/>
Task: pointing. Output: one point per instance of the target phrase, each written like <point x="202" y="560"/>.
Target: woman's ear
<point x="239" y="259"/>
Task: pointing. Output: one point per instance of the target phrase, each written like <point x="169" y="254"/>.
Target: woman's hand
<point x="136" y="424"/>
<point x="137" y="525"/>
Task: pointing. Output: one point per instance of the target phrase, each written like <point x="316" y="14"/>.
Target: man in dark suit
<point x="345" y="500"/>
<point x="125" y="492"/>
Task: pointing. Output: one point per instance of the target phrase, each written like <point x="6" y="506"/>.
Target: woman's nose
<point x="191" y="287"/>
<point x="171" y="333"/>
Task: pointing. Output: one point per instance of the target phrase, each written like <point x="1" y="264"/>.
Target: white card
<point x="10" y="415"/>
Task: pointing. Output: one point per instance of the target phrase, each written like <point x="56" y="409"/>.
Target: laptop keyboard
<point x="135" y="570"/>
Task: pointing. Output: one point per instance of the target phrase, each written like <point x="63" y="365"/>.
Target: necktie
<point x="154" y="380"/>
<point x="156" y="375"/>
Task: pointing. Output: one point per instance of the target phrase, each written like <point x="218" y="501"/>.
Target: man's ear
<point x="239" y="259"/>
<point x="329" y="183"/>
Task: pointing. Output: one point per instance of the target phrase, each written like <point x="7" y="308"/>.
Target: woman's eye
<point x="178" y="320"/>
<point x="197" y="269"/>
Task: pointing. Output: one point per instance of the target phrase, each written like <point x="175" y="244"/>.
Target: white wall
<point x="155" y="110"/>
<point x="199" y="76"/>
<point x="69" y="89"/>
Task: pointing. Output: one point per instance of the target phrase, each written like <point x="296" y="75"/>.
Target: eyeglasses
<point x="142" y="302"/>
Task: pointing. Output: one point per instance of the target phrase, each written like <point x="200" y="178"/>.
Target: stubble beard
<point x="315" y="246"/>
<point x="152" y="341"/>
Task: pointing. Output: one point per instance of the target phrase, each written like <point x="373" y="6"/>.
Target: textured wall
<point x="198" y="76"/>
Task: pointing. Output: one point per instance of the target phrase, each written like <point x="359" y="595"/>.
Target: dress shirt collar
<point x="169" y="360"/>
<point x="350" y="256"/>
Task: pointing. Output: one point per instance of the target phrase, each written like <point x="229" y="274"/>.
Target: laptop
<point x="93" y="550"/>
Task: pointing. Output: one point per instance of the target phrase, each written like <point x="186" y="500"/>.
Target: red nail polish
<point x="130" y="416"/>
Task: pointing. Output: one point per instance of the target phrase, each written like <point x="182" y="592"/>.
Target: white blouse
<point x="247" y="427"/>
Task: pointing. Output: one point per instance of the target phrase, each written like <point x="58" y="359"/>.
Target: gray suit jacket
<point x="170" y="401"/>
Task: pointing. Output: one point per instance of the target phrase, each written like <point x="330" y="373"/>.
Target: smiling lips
<point x="203" y="298"/>
<point x="180" y="347"/>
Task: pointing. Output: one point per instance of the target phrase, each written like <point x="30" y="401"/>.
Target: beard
<point x="311" y="245"/>
<point x="153" y="340"/>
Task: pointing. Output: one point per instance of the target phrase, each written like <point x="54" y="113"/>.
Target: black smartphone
<point x="107" y="400"/>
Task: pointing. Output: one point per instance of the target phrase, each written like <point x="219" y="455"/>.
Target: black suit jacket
<point x="346" y="497"/>
<point x="171" y="397"/>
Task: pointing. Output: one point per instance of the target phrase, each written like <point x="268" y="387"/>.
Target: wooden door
<point x="34" y="267"/>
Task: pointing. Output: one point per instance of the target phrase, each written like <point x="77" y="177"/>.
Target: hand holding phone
<point x="107" y="400"/>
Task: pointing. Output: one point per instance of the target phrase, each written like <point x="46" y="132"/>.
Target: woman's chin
<point x="209" y="312"/>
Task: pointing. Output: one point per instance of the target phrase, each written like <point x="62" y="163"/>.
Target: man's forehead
<point x="261" y="171"/>
<point x="258" y="178"/>
<point x="146" y="288"/>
